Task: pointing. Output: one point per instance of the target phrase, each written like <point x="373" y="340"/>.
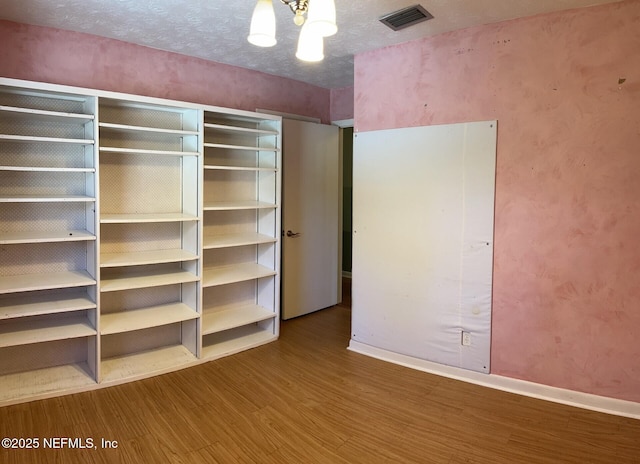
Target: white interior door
<point x="310" y="217"/>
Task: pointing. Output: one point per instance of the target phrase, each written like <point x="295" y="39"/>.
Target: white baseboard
<point x="520" y="387"/>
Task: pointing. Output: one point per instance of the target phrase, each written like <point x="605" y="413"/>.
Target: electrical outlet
<point x="466" y="338"/>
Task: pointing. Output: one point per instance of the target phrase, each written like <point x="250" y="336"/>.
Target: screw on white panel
<point x="466" y="338"/>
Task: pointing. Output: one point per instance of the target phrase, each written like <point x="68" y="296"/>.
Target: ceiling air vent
<point x="406" y="17"/>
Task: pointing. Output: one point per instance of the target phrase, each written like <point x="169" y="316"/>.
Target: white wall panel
<point x="423" y="241"/>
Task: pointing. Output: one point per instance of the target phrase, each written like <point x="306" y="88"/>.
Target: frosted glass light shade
<point x="310" y="45"/>
<point x="263" y="25"/>
<point x="322" y="17"/>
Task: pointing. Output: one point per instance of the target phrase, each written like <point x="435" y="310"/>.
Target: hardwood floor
<point x="306" y="399"/>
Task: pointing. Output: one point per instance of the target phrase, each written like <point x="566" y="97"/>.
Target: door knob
<point x="292" y="234"/>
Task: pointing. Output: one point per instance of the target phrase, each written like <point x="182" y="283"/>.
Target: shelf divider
<point x="147" y="279"/>
<point x="223" y="275"/>
<point x="139" y="218"/>
<point x="231" y="205"/>
<point x="7" y="238"/>
<point x="145" y="257"/>
<point x="234" y="316"/>
<point x="45" y="281"/>
<point x="233" y="240"/>
<point x="145" y="318"/>
<point x="26" y="332"/>
<point x="37" y="304"/>
<point x="144" y="364"/>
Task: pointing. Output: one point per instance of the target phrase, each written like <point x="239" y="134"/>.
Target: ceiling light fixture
<point x="320" y="22"/>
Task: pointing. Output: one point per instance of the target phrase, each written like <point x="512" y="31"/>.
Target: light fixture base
<point x="299" y="9"/>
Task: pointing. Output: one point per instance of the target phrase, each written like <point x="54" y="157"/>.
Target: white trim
<point x="521" y="387"/>
<point x="296" y="117"/>
<point x="343" y="123"/>
<point x="132" y="98"/>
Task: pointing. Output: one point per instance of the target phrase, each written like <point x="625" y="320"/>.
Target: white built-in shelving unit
<point x="137" y="236"/>
<point x="241" y="238"/>
<point x="150" y="160"/>
<point x="48" y="241"/>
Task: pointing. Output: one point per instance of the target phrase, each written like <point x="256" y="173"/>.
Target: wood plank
<point x="236" y="129"/>
<point x="144" y="318"/>
<point x="239" y="147"/>
<point x="232" y="205"/>
<point x="7" y="238"/>
<point x="145" y="364"/>
<point x="45" y="281"/>
<point x="44" y="169"/>
<point x="26" y="332"/>
<point x="44" y="115"/>
<point x="234" y="341"/>
<point x="142" y="151"/>
<point x="232" y="317"/>
<point x="156" y="130"/>
<point x="215" y="167"/>
<point x="38" y="304"/>
<point x="232" y="240"/>
<point x="42" y="383"/>
<point x="30" y="138"/>
<point x="146" y="279"/>
<point x="38" y="198"/>
<point x="235" y="273"/>
<point x="139" y="218"/>
<point x="145" y="257"/>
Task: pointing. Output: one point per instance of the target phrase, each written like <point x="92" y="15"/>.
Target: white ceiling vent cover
<point x="406" y="17"/>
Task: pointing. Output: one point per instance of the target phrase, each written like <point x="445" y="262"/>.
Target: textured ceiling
<point x="217" y="30"/>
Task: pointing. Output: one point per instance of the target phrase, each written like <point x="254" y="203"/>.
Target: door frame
<point x="342" y="124"/>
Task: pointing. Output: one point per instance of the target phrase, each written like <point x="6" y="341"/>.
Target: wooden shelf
<point x="235" y="340"/>
<point x="30" y="138"/>
<point x="223" y="275"/>
<point x="46" y="199"/>
<point x="145" y="257"/>
<point x="238" y="316"/>
<point x="136" y="218"/>
<point x="43" y="115"/>
<point x="237" y="168"/>
<point x="141" y="151"/>
<point x="37" y="305"/>
<point x="235" y="129"/>
<point x="118" y="103"/>
<point x="43" y="383"/>
<point x="239" y="147"/>
<point x="146" y="363"/>
<point x="26" y="332"/>
<point x="45" y="281"/>
<point x="233" y="240"/>
<point x="144" y="318"/>
<point x="153" y="130"/>
<point x="8" y="238"/>
<point x="146" y="279"/>
<point x="232" y="205"/>
<point x="44" y="169"/>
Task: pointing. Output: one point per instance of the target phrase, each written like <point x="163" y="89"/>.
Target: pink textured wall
<point x="342" y="103"/>
<point x="61" y="57"/>
<point x="566" y="308"/>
